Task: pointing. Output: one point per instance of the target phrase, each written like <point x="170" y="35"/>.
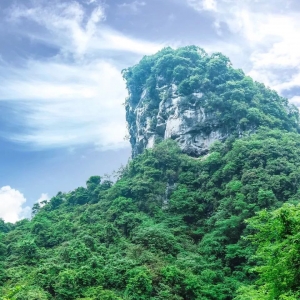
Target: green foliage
<point x="156" y="238"/>
<point x="170" y="228"/>
<point x="277" y="237"/>
<point x="24" y="292"/>
<point x="139" y="285"/>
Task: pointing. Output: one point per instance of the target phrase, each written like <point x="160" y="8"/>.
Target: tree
<point x="277" y="236"/>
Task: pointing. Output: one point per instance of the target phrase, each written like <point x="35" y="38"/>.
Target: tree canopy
<point x="171" y="227"/>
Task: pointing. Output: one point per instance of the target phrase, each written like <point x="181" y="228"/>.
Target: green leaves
<point x="171" y="227"/>
<point x="277" y="237"/>
<point x="139" y="285"/>
<point x="156" y="238"/>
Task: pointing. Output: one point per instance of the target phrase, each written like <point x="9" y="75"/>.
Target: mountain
<point x="217" y="221"/>
<point x="197" y="99"/>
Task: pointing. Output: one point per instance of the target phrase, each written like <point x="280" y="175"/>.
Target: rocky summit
<point x="197" y="99"/>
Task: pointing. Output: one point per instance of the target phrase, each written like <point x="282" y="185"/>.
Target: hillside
<point x="173" y="226"/>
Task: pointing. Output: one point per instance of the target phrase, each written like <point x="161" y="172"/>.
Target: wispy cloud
<point x="67" y="24"/>
<point x="133" y="7"/>
<point x="74" y="97"/>
<point x="200" y="5"/>
<point x="76" y="31"/>
<point x="68" y="105"/>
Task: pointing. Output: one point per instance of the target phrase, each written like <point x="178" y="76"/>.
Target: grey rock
<point x="181" y="118"/>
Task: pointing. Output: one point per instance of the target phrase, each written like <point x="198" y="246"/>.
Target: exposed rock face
<point x="178" y="117"/>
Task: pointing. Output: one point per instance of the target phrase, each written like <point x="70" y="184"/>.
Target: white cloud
<point x="64" y="21"/>
<point x="69" y="105"/>
<point x="295" y="100"/>
<point x="210" y="5"/>
<point x="91" y="1"/>
<point x="133" y="6"/>
<point x="11" y="205"/>
<point x="76" y="96"/>
<point x="43" y="197"/>
<point x="78" y="32"/>
<point x="267" y="32"/>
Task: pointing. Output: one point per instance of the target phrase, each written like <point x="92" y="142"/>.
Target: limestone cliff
<point x="197" y="99"/>
<point x="177" y="117"/>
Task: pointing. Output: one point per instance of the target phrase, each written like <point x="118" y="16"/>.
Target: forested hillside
<point x="220" y="226"/>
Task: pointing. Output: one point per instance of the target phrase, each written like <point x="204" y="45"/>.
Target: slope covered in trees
<point x="217" y="227"/>
<point x="170" y="228"/>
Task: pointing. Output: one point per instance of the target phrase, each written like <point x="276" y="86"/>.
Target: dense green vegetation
<point x="277" y="237"/>
<point x="169" y="228"/>
<point x="233" y="103"/>
<point x="217" y="227"/>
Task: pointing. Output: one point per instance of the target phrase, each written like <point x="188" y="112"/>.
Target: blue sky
<point x="61" y="93"/>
